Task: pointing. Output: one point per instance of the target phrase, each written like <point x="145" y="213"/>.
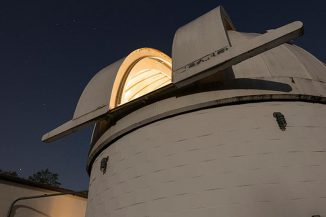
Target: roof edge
<point x="21" y="181"/>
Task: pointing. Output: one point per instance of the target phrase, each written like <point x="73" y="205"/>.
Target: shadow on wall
<point x="225" y="80"/>
<point x="39" y="213"/>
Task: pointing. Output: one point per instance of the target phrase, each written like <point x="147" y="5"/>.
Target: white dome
<point x="286" y="72"/>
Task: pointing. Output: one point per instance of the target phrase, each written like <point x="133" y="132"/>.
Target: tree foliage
<point x="9" y="173"/>
<point x="45" y="177"/>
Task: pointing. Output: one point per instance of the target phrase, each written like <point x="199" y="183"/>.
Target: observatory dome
<point x="242" y="141"/>
<point x="147" y="75"/>
<point x="233" y="125"/>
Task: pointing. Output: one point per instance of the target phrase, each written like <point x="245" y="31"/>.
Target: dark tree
<point x="45" y="177"/>
<point x="9" y="173"/>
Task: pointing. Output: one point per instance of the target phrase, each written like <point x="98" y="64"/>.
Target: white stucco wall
<point x="59" y="206"/>
<point x="223" y="161"/>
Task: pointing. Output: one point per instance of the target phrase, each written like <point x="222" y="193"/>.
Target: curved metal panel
<point x="200" y="37"/>
<point x="225" y="57"/>
<point x="97" y="93"/>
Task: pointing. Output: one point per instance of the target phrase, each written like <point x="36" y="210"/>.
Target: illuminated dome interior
<point x="142" y="71"/>
<point x="147" y="75"/>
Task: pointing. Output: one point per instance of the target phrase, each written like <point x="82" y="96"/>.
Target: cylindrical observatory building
<point x="234" y="125"/>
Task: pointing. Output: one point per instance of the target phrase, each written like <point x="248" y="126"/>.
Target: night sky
<point x="49" y="50"/>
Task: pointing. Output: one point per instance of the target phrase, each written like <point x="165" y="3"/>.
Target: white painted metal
<point x="202" y="36"/>
<point x="223" y="58"/>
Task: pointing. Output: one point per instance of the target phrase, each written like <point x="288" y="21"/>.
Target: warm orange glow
<point x="142" y="72"/>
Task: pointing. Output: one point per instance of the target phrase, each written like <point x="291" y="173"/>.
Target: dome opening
<point x="147" y="75"/>
<point x="143" y="71"/>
